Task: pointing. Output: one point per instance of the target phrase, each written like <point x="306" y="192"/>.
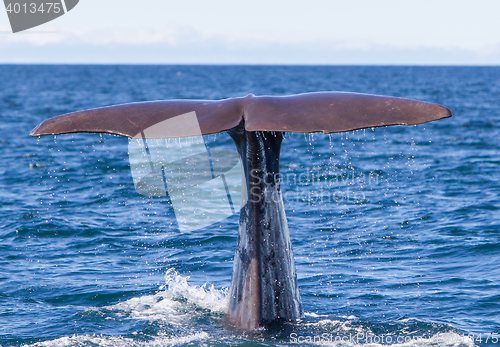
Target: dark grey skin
<point x="264" y="286"/>
<point x="264" y="282"/>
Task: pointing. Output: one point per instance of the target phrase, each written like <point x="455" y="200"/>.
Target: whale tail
<point x="327" y="112"/>
<point x="264" y="282"/>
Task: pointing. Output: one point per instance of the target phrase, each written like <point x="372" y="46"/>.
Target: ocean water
<point x="396" y="231"/>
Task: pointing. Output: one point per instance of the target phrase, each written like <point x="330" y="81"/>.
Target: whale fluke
<point x="327" y="112"/>
<point x="264" y="286"/>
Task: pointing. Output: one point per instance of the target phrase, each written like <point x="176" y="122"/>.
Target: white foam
<point x="110" y="341"/>
<point x="339" y="327"/>
<point x="314" y="315"/>
<point x="175" y="302"/>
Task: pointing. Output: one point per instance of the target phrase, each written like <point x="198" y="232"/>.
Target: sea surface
<point x="395" y="231"/>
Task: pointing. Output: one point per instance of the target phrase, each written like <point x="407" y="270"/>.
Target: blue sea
<point x="395" y="231"/>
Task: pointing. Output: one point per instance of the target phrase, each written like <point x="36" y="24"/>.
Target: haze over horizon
<point x="364" y="32"/>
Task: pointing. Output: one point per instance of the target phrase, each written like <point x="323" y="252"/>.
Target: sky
<point x="304" y="32"/>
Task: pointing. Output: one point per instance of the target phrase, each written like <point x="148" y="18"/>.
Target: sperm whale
<point x="263" y="286"/>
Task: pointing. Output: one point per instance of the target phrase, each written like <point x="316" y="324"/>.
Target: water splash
<point x="176" y="302"/>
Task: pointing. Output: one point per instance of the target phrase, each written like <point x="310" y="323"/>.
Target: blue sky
<point x="439" y="32"/>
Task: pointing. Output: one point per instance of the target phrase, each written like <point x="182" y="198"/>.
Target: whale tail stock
<point x="264" y="281"/>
